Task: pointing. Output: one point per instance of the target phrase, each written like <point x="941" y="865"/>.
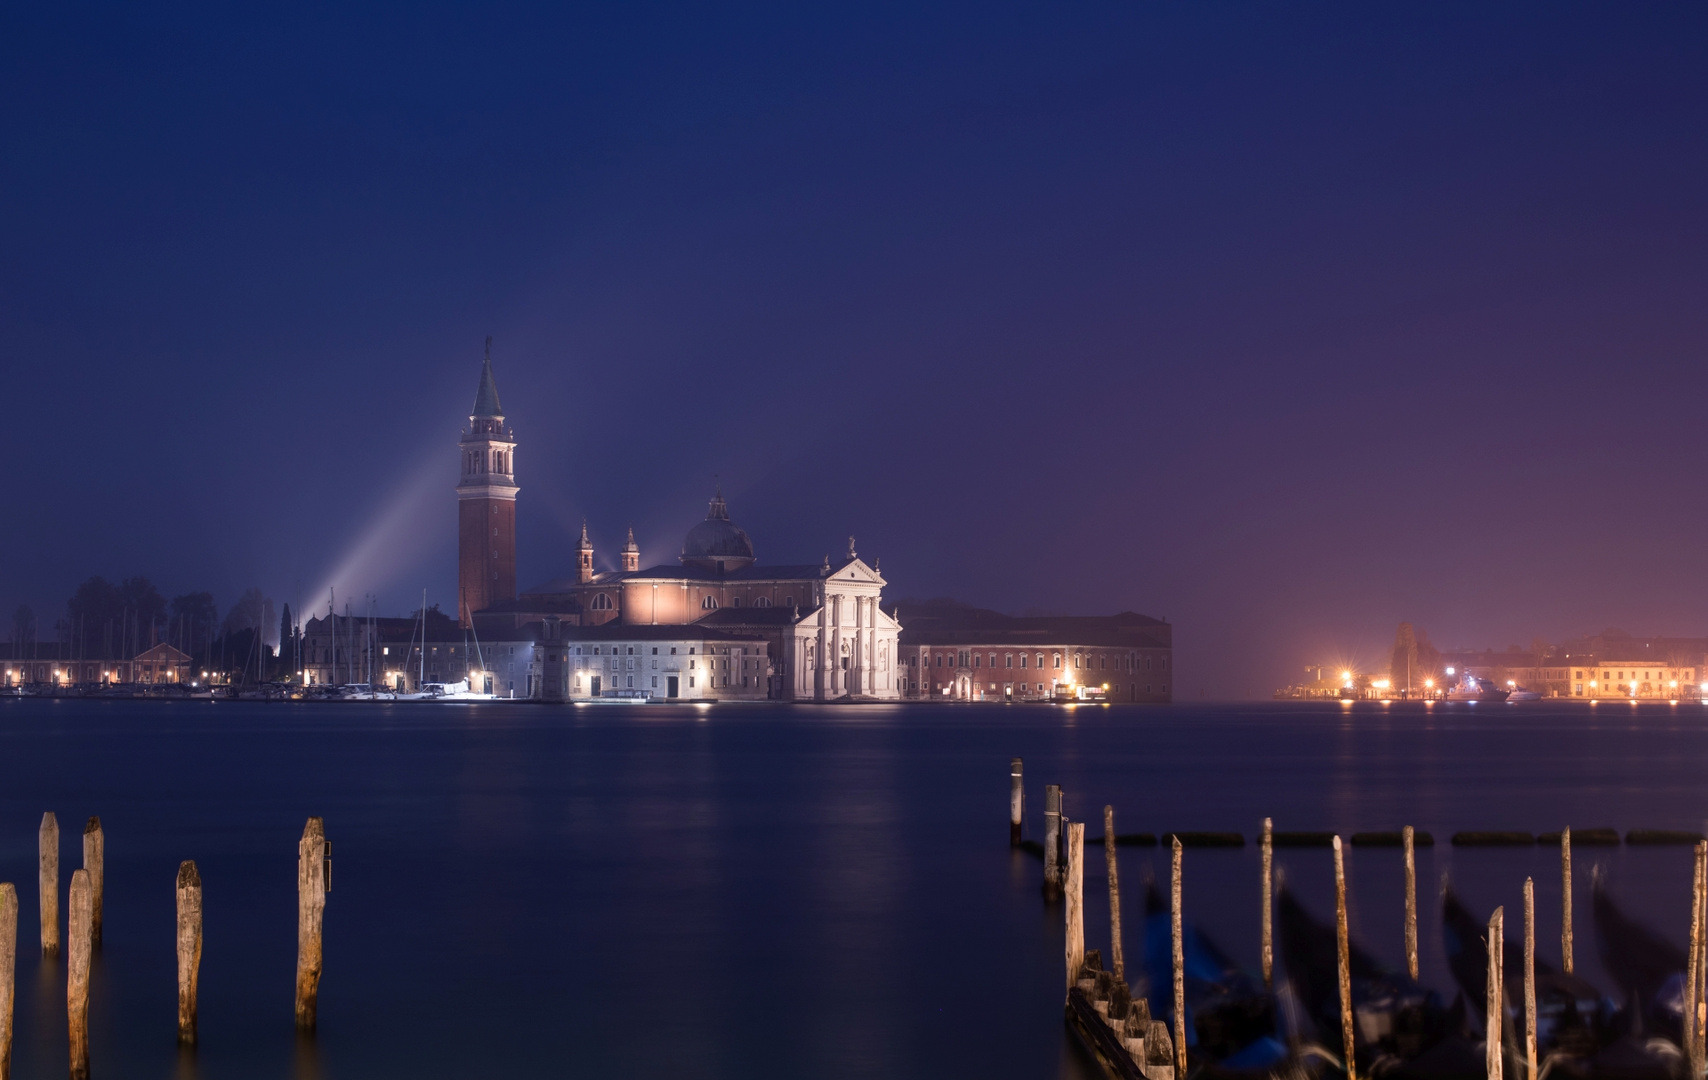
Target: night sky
<point x="1286" y="322"/>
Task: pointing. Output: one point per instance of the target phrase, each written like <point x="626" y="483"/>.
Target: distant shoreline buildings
<point x="718" y="624"/>
<point x="1609" y="666"/>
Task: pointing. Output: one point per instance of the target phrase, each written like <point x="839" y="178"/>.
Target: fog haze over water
<point x="750" y="890"/>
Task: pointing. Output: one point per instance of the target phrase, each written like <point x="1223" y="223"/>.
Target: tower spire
<point x="486" y="395"/>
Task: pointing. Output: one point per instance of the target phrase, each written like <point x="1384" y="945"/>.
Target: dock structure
<point x="1112" y="1019"/>
<point x="1113" y="1025"/>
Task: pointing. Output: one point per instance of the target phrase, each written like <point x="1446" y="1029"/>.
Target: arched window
<point x="763" y="601"/>
<point x="708" y="603"/>
<point x="602" y="602"/>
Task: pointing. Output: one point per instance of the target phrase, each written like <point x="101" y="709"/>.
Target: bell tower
<point x="584" y="557"/>
<point x="631" y="553"/>
<point x="486" y="504"/>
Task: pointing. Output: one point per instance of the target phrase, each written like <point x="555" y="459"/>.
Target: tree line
<point x="117" y="621"/>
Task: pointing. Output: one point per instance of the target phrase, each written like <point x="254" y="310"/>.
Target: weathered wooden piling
<point x="1529" y="979"/>
<point x="47" y="845"/>
<point x="1268" y="921"/>
<point x="1343" y="966"/>
<point x="1179" y="965"/>
<point x="1117" y="964"/>
<point x="1408" y="839"/>
<point x="1016" y="801"/>
<point x="1074" y="888"/>
<point x="1692" y="965"/>
<point x="79" y="949"/>
<point x="1496" y="994"/>
<point x="311" y="913"/>
<point x="8" y="971"/>
<point x="94" y="861"/>
<point x="1052" y="839"/>
<point x="1700" y="1007"/>
<point x="1566" y="898"/>
<point x="189" y="948"/>
<point x="1696" y="972"/>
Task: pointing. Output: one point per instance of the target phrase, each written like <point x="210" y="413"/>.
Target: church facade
<point x="799" y="632"/>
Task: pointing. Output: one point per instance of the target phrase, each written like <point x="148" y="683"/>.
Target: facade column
<point x="872" y="644"/>
<point x="819" y="686"/>
<point x="857" y="665"/>
<point x="838" y="678"/>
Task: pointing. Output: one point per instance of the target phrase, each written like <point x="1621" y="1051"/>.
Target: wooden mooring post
<point x="1074" y="888"/>
<point x="1408" y="838"/>
<point x="1016" y="801"/>
<point x="1529" y="979"/>
<point x="79" y="948"/>
<point x="312" y="866"/>
<point x="1695" y="974"/>
<point x="1699" y="1007"/>
<point x="1052" y="840"/>
<point x="1117" y="964"/>
<point x="1179" y="965"/>
<point x="47" y="849"/>
<point x="1692" y="968"/>
<point x="1566" y="898"/>
<point x="1268" y="921"/>
<point x="8" y="971"/>
<point x="1496" y="994"/>
<point x="189" y="948"/>
<point x="94" y="861"/>
<point x="1343" y="965"/>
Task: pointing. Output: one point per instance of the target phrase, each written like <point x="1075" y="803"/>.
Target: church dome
<point x="718" y="543"/>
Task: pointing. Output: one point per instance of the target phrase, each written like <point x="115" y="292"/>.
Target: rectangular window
<point x="1008" y="660"/>
<point x="975" y="659"/>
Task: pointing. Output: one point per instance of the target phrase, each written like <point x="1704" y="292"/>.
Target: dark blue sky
<point x="1284" y="321"/>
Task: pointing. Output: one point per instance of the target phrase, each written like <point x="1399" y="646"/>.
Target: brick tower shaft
<point x="486" y="504"/>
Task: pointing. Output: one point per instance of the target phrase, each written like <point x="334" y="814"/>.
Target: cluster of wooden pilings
<point x="83" y="933"/>
<point x="1128" y="1043"/>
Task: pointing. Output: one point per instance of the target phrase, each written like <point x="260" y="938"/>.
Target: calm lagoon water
<point x="752" y="891"/>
